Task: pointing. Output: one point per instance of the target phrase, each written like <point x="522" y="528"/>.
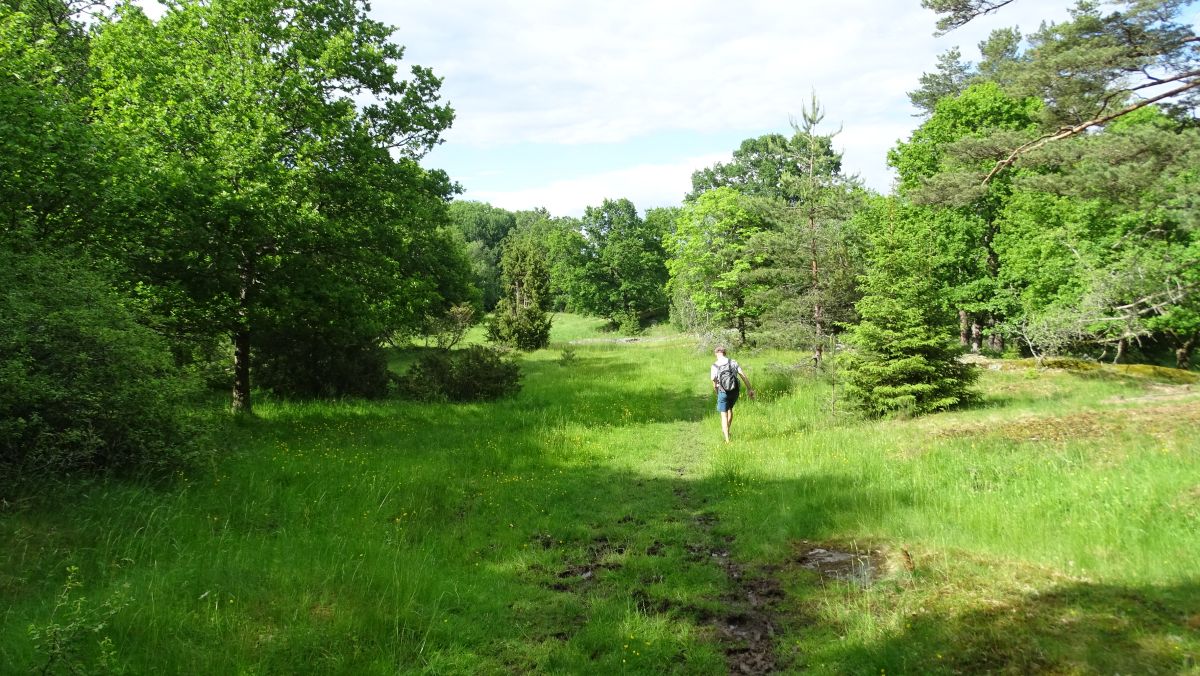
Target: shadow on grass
<point x="1075" y="628"/>
<point x="560" y="568"/>
<point x="389" y="536"/>
<point x="590" y="570"/>
<point x="592" y="390"/>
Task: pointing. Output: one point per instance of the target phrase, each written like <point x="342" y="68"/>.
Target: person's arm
<point x="745" y="379"/>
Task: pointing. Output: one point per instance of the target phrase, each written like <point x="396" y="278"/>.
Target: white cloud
<point x="646" y="185"/>
<point x="548" y="71"/>
<point x="577" y="74"/>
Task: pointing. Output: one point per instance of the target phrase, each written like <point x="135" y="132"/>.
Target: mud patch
<point x="597" y="557"/>
<point x="747" y="623"/>
<point x="856" y="565"/>
<point x="751" y="643"/>
<point x="748" y="627"/>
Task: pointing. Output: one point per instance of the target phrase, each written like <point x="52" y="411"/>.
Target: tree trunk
<point x="1120" y="351"/>
<point x="739" y="303"/>
<point x="818" y="309"/>
<point x="970" y="334"/>
<point x="995" y="339"/>
<point x="241" y="371"/>
<point x="1183" y="354"/>
<point x="241" y="344"/>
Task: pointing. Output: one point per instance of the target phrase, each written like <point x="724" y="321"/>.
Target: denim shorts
<point x="726" y="400"/>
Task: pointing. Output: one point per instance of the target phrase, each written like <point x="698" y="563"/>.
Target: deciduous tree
<point x="621" y="272"/>
<point x="268" y="156"/>
<point x="710" y="260"/>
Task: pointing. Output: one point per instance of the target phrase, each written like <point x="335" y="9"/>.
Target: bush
<point x="628" y="323"/>
<point x="524" y="327"/>
<point x="83" y="385"/>
<point x="567" y="358"/>
<point x="477" y="373"/>
<point x="302" y="363"/>
<point x="449" y="328"/>
<point x="68" y="643"/>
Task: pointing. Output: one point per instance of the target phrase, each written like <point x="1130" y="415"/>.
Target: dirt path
<point x="747" y="625"/>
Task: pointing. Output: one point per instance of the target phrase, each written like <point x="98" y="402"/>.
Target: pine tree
<point x="520" y="319"/>
<point x="903" y="358"/>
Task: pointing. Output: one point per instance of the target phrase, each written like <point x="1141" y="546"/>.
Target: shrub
<point x="628" y="323"/>
<point x="477" y="373"/>
<point x="68" y="642"/>
<point x="567" y="358"/>
<point x="449" y="328"/>
<point x="523" y="327"/>
<point x="303" y="363"/>
<point x="83" y="385"/>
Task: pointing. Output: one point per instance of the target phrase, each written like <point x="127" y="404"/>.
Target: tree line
<point x="1045" y="205"/>
<point x="232" y="195"/>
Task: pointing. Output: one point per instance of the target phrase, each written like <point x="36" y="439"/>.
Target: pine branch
<point x="1067" y="132"/>
<point x="961" y="12"/>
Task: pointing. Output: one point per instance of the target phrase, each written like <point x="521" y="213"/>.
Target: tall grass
<point x="569" y="529"/>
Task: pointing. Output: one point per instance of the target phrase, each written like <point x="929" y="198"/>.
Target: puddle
<point x="856" y="566"/>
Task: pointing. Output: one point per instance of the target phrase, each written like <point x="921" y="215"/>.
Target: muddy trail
<point x="754" y="611"/>
<point x="739" y="608"/>
<point x="750" y="619"/>
<point x="677" y="561"/>
<point x="750" y="616"/>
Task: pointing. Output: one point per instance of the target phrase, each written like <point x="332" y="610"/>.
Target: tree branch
<point x="1067" y="132"/>
<point x="1155" y="302"/>
<point x="962" y="12"/>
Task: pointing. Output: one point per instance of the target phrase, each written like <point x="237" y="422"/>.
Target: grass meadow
<point x="597" y="523"/>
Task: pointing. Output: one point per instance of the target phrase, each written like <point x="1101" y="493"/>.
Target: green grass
<point x="591" y="524"/>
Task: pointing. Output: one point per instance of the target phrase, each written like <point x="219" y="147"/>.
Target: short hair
<point x="720" y="348"/>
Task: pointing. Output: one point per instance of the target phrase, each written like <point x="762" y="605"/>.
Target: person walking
<point x="724" y="374"/>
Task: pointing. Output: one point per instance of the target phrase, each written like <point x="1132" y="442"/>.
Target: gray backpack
<point x="727" y="379"/>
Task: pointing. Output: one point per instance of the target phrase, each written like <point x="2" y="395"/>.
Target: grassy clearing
<point x="595" y="524"/>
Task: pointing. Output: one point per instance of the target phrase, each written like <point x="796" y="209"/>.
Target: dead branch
<point x="1067" y="132"/>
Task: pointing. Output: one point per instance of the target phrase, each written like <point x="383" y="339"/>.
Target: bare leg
<point x="726" y="420"/>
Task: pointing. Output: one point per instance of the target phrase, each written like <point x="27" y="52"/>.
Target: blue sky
<point x="562" y="104"/>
